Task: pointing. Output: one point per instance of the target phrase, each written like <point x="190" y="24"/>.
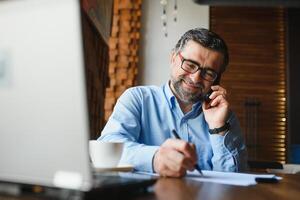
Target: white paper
<point x="228" y="178"/>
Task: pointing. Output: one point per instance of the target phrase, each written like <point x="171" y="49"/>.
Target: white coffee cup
<point x="105" y="154"/>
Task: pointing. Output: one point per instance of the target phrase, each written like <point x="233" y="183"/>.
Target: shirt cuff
<point x="143" y="158"/>
<point x="217" y="143"/>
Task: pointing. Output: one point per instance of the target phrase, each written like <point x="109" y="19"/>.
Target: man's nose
<point x="196" y="77"/>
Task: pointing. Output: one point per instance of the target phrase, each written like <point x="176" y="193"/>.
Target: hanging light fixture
<point x="164" y="16"/>
<point x="175" y="11"/>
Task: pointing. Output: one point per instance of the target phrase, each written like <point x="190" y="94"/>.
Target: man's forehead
<point x="196" y="50"/>
<point x="193" y="45"/>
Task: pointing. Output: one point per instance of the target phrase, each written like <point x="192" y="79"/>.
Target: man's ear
<point x="172" y="57"/>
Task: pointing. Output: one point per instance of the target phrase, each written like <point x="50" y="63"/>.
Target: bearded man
<point x="192" y="103"/>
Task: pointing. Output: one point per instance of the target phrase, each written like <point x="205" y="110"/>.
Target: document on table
<point x="231" y="178"/>
<point x="228" y="178"/>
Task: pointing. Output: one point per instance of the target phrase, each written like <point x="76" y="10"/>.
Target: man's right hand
<point x="174" y="157"/>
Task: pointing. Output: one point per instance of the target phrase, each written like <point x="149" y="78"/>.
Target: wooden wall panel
<point x="123" y="50"/>
<point x="94" y="17"/>
<point x="99" y="13"/>
<point x="256" y="75"/>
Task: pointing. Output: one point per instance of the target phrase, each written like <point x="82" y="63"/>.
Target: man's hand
<point x="216" y="111"/>
<point x="174" y="157"/>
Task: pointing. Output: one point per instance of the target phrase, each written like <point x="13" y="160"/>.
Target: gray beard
<point x="184" y="95"/>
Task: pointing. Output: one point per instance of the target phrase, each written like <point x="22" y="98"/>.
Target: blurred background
<point x="128" y="43"/>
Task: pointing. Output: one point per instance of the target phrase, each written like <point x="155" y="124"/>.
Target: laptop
<point x="44" y="128"/>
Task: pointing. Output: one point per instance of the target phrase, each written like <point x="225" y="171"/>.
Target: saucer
<point x="121" y="168"/>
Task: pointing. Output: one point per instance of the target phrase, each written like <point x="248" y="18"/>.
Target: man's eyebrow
<point x="194" y="62"/>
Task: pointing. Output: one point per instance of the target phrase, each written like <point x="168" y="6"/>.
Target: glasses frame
<point x="202" y="69"/>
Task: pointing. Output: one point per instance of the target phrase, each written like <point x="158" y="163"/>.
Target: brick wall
<point x="123" y="51"/>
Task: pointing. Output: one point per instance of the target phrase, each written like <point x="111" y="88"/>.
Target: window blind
<point x="256" y="75"/>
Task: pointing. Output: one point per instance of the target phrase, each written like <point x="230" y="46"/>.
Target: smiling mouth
<point x="191" y="86"/>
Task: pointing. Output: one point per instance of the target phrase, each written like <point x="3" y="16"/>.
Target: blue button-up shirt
<point x="144" y="118"/>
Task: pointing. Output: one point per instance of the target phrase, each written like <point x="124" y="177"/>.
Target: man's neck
<point x="185" y="107"/>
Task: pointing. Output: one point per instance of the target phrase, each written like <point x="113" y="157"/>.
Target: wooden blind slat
<point x="256" y="74"/>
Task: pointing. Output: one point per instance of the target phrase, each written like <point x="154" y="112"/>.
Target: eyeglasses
<point x="192" y="67"/>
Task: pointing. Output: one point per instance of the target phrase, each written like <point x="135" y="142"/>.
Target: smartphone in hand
<point x="206" y="96"/>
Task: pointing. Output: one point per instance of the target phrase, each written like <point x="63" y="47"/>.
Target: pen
<point x="177" y="137"/>
<point x="266" y="180"/>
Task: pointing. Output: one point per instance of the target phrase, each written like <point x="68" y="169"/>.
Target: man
<point x="145" y="116"/>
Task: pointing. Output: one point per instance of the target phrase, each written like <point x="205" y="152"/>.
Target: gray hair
<point x="207" y="39"/>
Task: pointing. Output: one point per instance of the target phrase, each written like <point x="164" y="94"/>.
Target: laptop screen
<point x="43" y="108"/>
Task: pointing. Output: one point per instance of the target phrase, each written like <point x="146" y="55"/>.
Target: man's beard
<point x="184" y="95"/>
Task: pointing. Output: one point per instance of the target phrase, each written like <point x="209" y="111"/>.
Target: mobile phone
<point x="206" y="96"/>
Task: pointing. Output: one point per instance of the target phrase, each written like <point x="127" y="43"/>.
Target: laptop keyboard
<point x="119" y="185"/>
<point x="115" y="178"/>
<point x="108" y="180"/>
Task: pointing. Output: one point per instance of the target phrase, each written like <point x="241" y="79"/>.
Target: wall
<point x="155" y="48"/>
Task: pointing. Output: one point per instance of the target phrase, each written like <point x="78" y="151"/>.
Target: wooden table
<point x="183" y="189"/>
<point x="180" y="189"/>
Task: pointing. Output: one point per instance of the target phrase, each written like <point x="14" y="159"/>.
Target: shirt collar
<point x="169" y="95"/>
<point x="197" y="109"/>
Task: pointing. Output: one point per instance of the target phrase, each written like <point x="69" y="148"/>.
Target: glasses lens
<point x="189" y="66"/>
<point x="208" y="74"/>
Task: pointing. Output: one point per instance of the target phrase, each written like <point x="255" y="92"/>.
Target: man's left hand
<point x="216" y="111"/>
